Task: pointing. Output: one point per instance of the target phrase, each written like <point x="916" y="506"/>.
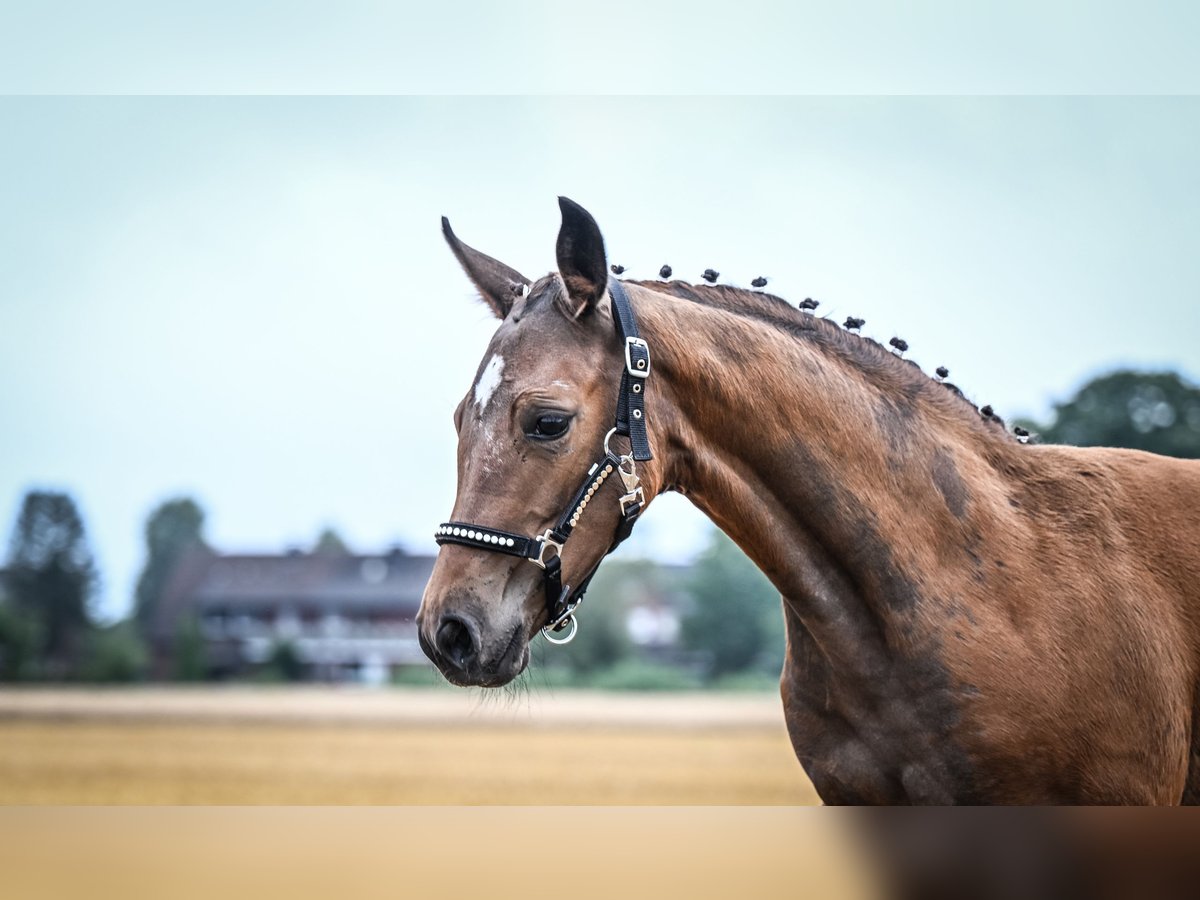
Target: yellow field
<point x="391" y="747"/>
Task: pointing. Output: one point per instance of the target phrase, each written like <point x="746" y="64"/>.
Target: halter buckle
<point x="637" y="495"/>
<point x="546" y="541"/>
<point x="630" y="366"/>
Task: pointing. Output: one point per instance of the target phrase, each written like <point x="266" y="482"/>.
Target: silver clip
<point x="546" y="541"/>
<point x="630" y="479"/>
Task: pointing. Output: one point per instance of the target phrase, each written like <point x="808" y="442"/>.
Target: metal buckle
<point x="630" y="343"/>
<point x="634" y="496"/>
<point x="547" y="541"/>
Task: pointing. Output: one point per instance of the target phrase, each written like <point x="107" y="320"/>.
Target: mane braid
<point x="881" y="365"/>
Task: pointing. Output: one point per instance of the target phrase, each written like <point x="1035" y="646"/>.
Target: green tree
<point x="736" y="620"/>
<point x="284" y="663"/>
<point x="50" y="579"/>
<point x="116" y="654"/>
<point x="173" y="529"/>
<point x="19" y="643"/>
<point x="330" y="543"/>
<point x="602" y="641"/>
<point x="1154" y="411"/>
<point x="190" y="656"/>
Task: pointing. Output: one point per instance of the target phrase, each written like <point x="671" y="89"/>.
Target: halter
<point x="545" y="550"/>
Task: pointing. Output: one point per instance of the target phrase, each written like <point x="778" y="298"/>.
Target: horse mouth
<point x="512" y="661"/>
<point x="497" y="672"/>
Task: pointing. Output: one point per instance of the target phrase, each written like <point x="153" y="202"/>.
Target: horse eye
<point x="550" y="426"/>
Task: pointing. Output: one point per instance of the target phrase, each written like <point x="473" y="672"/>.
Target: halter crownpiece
<point x="545" y="550"/>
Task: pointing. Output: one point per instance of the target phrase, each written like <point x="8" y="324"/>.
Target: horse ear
<point x="499" y="285"/>
<point x="581" y="261"/>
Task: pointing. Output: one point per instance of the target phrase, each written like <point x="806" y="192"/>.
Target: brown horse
<point x="969" y="618"/>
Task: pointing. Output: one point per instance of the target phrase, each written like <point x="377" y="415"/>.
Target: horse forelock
<point x="549" y="290"/>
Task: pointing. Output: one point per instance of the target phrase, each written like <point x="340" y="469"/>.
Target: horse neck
<point x="852" y="484"/>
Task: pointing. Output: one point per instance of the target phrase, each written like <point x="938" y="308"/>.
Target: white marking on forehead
<point x="489" y="380"/>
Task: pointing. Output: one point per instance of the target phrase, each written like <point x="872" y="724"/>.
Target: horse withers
<point x="969" y="618"/>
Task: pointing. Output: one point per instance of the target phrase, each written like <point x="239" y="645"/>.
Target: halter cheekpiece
<point x="545" y="550"/>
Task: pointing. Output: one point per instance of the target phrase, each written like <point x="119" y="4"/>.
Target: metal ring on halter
<point x="548" y="634"/>
<point x="607" y="437"/>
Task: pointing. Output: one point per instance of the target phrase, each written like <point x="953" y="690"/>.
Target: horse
<point x="970" y="618"/>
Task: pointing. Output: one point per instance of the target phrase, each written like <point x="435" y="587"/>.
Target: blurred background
<point x="231" y="341"/>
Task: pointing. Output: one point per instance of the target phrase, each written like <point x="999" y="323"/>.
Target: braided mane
<point x="886" y="369"/>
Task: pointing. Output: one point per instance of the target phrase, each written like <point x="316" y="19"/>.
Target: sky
<point x="620" y="47"/>
<point x="248" y="300"/>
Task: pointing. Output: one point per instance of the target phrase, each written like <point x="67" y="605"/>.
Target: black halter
<point x="561" y="600"/>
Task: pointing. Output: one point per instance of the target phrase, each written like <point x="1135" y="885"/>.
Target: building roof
<point x="322" y="582"/>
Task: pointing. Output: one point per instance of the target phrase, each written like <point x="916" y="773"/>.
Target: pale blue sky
<point x="618" y="47"/>
<point x="249" y="300"/>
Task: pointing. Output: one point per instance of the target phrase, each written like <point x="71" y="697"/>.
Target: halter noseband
<point x="545" y="550"/>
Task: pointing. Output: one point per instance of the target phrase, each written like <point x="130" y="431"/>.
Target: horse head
<point x="537" y="460"/>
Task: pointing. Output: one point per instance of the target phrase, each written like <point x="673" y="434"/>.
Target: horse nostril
<point x="455" y="642"/>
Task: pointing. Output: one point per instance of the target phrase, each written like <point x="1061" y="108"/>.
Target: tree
<point x="330" y="543"/>
<point x="601" y="641"/>
<point x="737" y="619"/>
<point x="19" y="643"/>
<point x="116" y="654"/>
<point x="1154" y="411"/>
<point x="284" y="663"/>
<point x="173" y="529"/>
<point x="190" y="653"/>
<point x="50" y="579"/>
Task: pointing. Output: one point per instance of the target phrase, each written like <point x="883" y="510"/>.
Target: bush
<point x="284" y="664"/>
<point x="19" y="641"/>
<point x="602" y="641"/>
<point x="424" y="676"/>
<point x="747" y="682"/>
<point x="632" y="675"/>
<point x="736" y="622"/>
<point x="190" y="657"/>
<point x="116" y="654"/>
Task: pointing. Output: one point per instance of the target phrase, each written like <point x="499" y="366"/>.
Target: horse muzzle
<point x="457" y="645"/>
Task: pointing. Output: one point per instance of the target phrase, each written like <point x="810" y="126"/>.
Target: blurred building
<point x="345" y="617"/>
<point x="336" y="616"/>
<point x="650" y="600"/>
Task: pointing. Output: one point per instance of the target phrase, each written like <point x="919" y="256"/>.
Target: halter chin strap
<point x="545" y="550"/>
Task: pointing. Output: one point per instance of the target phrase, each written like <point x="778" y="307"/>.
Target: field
<point x="397" y="746"/>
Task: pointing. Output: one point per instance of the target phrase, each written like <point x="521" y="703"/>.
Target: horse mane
<point x="883" y="367"/>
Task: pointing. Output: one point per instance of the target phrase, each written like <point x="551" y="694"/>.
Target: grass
<point x="285" y="746"/>
<point x="635" y="675"/>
